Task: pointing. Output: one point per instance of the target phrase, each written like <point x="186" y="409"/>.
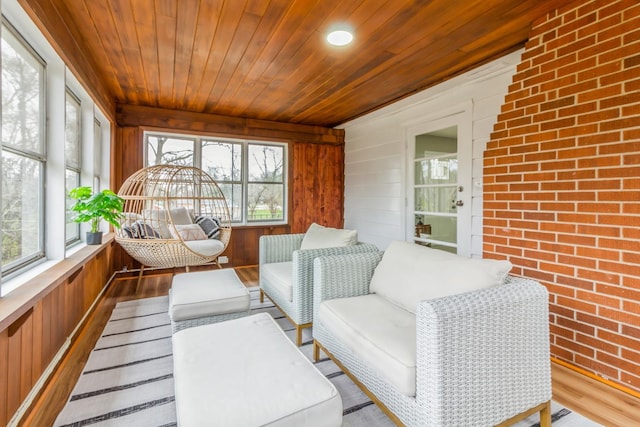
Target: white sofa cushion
<point x="409" y="273"/>
<point x="246" y="372"/>
<point x="207" y="293"/>
<point x="318" y="236"/>
<point x="280" y="276"/>
<point x="381" y="334"/>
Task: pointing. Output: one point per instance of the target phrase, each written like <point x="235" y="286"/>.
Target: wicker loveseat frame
<point x="482" y="356"/>
<point x="162" y="189"/>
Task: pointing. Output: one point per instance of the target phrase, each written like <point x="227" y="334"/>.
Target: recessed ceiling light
<point x="339" y="37"/>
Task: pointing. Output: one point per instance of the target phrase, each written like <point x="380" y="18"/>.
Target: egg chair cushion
<point x="208" y="247"/>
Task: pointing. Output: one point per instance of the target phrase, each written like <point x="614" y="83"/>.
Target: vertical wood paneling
<point x="317" y="182"/>
<point x="26" y="350"/>
<point x="316" y="173"/>
<point x="4" y="375"/>
<point x="38" y="335"/>
<point x="13" y="379"/>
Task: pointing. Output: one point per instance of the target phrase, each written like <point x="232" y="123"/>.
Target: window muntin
<point x="23" y="152"/>
<point x="73" y="161"/>
<point x="251" y="174"/>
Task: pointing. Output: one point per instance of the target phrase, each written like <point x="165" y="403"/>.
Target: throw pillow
<point x="318" y="237"/>
<point x="181" y="216"/>
<point x="409" y="273"/>
<point x="188" y="232"/>
<point x="140" y="230"/>
<point x="210" y="226"/>
<point x="158" y="218"/>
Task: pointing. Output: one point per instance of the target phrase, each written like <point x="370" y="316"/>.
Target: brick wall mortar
<point x="562" y="181"/>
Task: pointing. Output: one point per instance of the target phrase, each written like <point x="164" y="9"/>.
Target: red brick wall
<point x="562" y="182"/>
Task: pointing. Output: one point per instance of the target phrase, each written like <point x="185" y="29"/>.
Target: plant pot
<point x="94" y="238"/>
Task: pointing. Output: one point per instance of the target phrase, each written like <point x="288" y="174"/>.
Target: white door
<point x="439" y="185"/>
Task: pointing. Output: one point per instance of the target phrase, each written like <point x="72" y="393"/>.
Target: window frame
<point x="21" y="264"/>
<point x="198" y="139"/>
<point x="75" y="169"/>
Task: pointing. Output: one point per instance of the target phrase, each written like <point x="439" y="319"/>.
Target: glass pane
<point x="265" y="202"/>
<point x="169" y="150"/>
<point x="436" y="199"/>
<point x="437" y="143"/>
<point x="440" y="228"/>
<point x="222" y="160"/>
<point x="22" y="208"/>
<point x="72" y="132"/>
<point x="97" y="149"/>
<point x="442" y="170"/>
<point x="22" y="96"/>
<point x="72" y="231"/>
<point x="233" y="194"/>
<point x="266" y="163"/>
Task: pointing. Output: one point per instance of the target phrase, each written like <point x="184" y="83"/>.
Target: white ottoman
<point x="204" y="297"/>
<point x="246" y="372"/>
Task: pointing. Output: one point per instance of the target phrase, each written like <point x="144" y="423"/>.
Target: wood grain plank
<point x="13" y="378"/>
<point x="206" y="25"/>
<point x="4" y="377"/>
<point x="230" y="15"/>
<point x="146" y="38"/>
<point x="184" y="42"/>
<point x="37" y="354"/>
<point x="26" y="359"/>
<point x="166" y="12"/>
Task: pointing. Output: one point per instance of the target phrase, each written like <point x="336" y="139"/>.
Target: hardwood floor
<point x="591" y="398"/>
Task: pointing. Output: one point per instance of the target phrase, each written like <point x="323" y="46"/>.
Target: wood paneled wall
<point x="316" y="168"/>
<point x="31" y="337"/>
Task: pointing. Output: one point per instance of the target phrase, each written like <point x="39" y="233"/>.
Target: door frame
<point x="461" y="117"/>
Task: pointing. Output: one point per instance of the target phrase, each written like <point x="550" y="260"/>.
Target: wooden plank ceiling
<point x="268" y="59"/>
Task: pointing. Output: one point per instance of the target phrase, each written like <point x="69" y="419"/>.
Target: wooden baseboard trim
<point x="595" y="377"/>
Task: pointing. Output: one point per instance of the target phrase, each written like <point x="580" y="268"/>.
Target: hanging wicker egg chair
<point x="174" y="216"/>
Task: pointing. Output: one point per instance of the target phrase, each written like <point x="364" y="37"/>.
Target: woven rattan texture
<point x="159" y="189"/>
<point x="482" y="356"/>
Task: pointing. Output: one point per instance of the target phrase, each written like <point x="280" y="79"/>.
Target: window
<point x="72" y="158"/>
<point x="23" y="153"/>
<point x="251" y="174"/>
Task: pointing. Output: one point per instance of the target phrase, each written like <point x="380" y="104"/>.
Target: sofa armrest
<point x="485" y="353"/>
<point x="278" y="247"/>
<point x="343" y="276"/>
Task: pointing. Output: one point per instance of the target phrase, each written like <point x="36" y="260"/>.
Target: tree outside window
<point x="250" y="174"/>
<point x="23" y="153"/>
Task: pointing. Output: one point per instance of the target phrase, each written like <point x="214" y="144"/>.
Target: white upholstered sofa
<point x="286" y="268"/>
<point x="435" y="338"/>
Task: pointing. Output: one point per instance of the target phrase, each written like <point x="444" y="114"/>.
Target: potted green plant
<point x="93" y="207"/>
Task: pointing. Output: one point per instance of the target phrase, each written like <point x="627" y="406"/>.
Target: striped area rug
<point x="128" y="379"/>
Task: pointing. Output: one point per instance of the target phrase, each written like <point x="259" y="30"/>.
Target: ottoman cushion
<point x="207" y="293"/>
<point x="246" y="372"/>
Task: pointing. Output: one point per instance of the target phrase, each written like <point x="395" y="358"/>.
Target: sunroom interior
<point x="524" y="116"/>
